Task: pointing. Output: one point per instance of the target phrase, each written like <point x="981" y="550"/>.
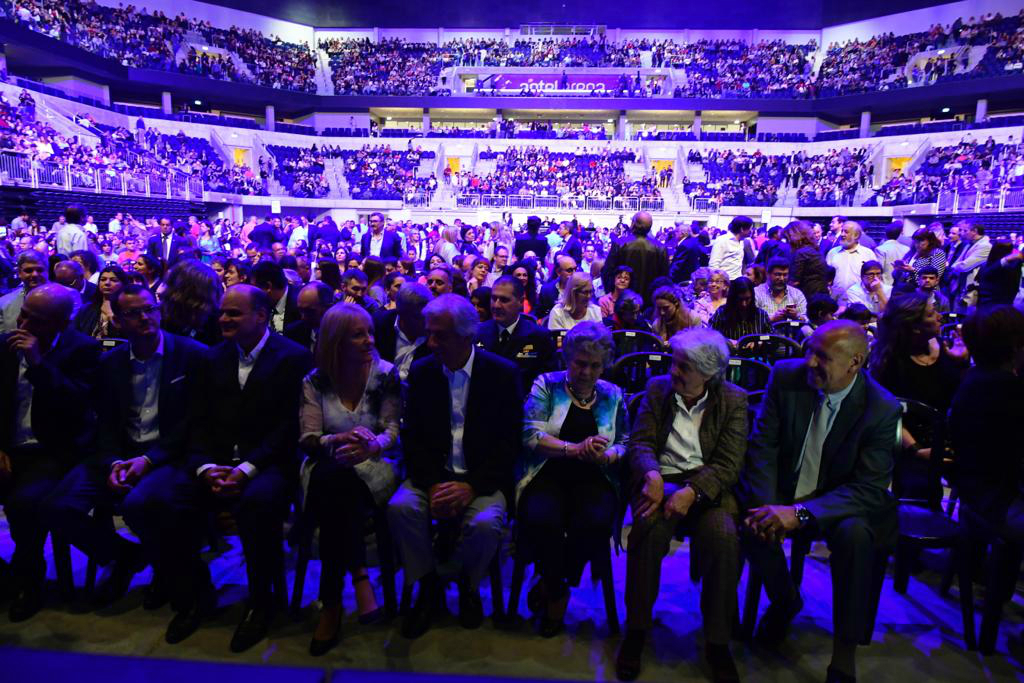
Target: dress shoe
<point x="252" y="629"/>
<point x="26" y="603"/>
<point x="321" y="646"/>
<point x="156" y="594"/>
<point x="776" y="621"/>
<point x="537" y="599"/>
<point x="187" y="621"/>
<point x="627" y="664"/>
<point x="471" y="610"/>
<point x="116" y="585"/>
<point x="374" y="615"/>
<point x="417" y="622"/>
<point x="833" y="675"/>
<point x="553" y="620"/>
<point x="723" y="666"/>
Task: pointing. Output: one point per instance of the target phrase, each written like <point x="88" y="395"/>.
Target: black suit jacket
<point x="530" y="347"/>
<point x="492" y="436"/>
<point x="391" y="247"/>
<point x="549" y="296"/>
<point x="183" y="366"/>
<point x="62" y="414"/>
<point x="89" y="293"/>
<point x="291" y="307"/>
<point x="155" y="249"/>
<point x="690" y="255"/>
<point x="538" y="245"/>
<point x="385" y="336"/>
<point x="647" y="257"/>
<point x="262" y="420"/>
<point x="328" y="233"/>
<point x="264" y="235"/>
<point x="573" y="247"/>
<point x="857" y="458"/>
<point x="300" y="333"/>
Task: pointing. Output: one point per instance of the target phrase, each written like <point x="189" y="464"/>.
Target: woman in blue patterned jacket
<point x="568" y="490"/>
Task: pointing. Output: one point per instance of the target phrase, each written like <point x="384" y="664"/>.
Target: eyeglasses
<point x="136" y="313"/>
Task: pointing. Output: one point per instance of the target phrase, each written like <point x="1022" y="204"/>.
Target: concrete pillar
<point x="865" y="124"/>
<point x="426" y="120"/>
<point x="622" y="131"/>
<point x="440" y="35"/>
<point x="268" y="116"/>
<point x="981" y="111"/>
<point x="165" y="103"/>
<point x="376" y="34"/>
<point x="696" y="124"/>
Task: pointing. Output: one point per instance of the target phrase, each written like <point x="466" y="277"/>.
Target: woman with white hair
<point x="685" y="453"/>
<point x="576" y="305"/>
<point x="567" y="491"/>
<point x="350" y="414"/>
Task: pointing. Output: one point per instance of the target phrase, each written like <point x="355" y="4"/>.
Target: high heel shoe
<point x="318" y="647"/>
<point x="373" y="616"/>
<point x="553" y="620"/>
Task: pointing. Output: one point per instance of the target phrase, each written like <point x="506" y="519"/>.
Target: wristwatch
<point x="803" y="515"/>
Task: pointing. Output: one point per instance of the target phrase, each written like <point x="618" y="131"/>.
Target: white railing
<point x="705" y="205"/>
<point x="973" y="201"/>
<point x="18" y="169"/>
<point x="569" y="202"/>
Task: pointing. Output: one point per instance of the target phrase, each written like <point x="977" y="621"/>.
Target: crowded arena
<point x="381" y="341"/>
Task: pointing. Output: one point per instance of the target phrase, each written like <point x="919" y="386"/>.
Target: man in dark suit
<point x="572" y="246"/>
<point x="144" y="392"/>
<point x="460" y="455"/>
<point x="242" y="460"/>
<point x="47" y="371"/>
<point x="380" y="242"/>
<point x="312" y="302"/>
<point x="326" y="230"/>
<point x="531" y="241"/>
<point x="690" y="255"/>
<point x="819" y="465"/>
<point x="270" y="277"/>
<point x="265" y="234"/>
<point x="773" y="247"/>
<point x="514" y="336"/>
<point x="647" y="257"/>
<point x="551" y="291"/>
<point x="167" y="246"/>
<point x="400" y="333"/>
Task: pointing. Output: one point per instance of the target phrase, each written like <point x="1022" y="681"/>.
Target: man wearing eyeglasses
<point x="145" y="388"/>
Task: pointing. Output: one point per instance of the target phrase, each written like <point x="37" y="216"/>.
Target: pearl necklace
<point x="583" y="403"/>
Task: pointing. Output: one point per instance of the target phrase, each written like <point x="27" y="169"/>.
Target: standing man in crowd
<point x="71" y="237"/>
<point x="380" y="242"/>
<point x="727" y="252"/>
<point x="965" y="269"/>
<point x="647" y="257"/>
<point x="848" y="258"/>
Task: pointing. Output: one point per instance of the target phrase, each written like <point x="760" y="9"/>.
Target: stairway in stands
<point x="324" y="74"/>
<point x="334" y="170"/>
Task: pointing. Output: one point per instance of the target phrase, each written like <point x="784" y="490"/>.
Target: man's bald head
<point x="69" y="273"/>
<point x="642" y="223"/>
<point x="47" y="310"/>
<point x="836" y="352"/>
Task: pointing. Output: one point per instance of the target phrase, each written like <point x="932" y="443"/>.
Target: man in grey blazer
<point x="819" y="465"/>
<point x="32" y="272"/>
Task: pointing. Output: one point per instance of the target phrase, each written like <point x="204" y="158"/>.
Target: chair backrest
<point x="633" y="405"/>
<point x="754" y="398"/>
<point x="636" y="341"/>
<point x="748" y="373"/>
<point x="111" y="343"/>
<point x="928" y="426"/>
<point x="632" y="371"/>
<point x="768" y="348"/>
<point x="792" y="329"/>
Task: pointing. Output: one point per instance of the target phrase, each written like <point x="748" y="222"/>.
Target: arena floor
<point x="918" y="636"/>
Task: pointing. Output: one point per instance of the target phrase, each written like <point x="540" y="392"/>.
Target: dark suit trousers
<point x="342" y="503"/>
<point x="714" y="544"/>
<point x="567" y="514"/>
<point x="34" y="474"/>
<point x="854" y="544"/>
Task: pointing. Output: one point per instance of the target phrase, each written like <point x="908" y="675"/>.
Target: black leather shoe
<point x="26" y="604"/>
<point x="417" y="622"/>
<point x="120" y="578"/>
<point x="628" y="661"/>
<point x="835" y="676"/>
<point x="187" y="621"/>
<point x="157" y="594"/>
<point x="318" y="648"/>
<point x="252" y="629"/>
<point x="775" y="623"/>
<point x="723" y="666"/>
<point x="471" y="610"/>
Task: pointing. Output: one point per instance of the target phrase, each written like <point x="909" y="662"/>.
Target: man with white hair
<point x="848" y="257"/>
<point x="460" y="454"/>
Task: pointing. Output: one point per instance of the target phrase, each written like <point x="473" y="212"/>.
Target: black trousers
<point x="34" y="474"/>
<point x="566" y="516"/>
<point x="341" y="503"/>
<point x="854" y="543"/>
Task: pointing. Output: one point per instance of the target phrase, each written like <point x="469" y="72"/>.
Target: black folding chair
<point x="768" y="348"/>
<point x="793" y="329"/>
<point x="748" y="373"/>
<point x="636" y="341"/>
<point x="632" y="371"/>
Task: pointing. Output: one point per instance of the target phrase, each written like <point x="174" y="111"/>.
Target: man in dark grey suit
<point x="647" y="257"/>
<point x="819" y="465"/>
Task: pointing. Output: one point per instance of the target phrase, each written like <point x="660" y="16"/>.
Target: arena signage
<point x="556" y="81"/>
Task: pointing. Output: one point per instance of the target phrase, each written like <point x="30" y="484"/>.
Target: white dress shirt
<point x="727" y="255"/>
<point x="858" y="295"/>
<point x="404" y="351"/>
<point x="682" y="448"/>
<point x="143" y="422"/>
<point x="847" y="264"/>
<point x="458" y="387"/>
<point x="376" y="242"/>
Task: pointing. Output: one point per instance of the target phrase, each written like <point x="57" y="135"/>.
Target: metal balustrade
<point x="985" y="201"/>
<point x="566" y="203"/>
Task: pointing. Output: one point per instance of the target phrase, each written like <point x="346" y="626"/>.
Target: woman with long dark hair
<point x="97" y="319"/>
<point x="330" y="275"/>
<point x="808" y="272"/>
<point x="526" y="272"/>
<point x="740" y="315"/>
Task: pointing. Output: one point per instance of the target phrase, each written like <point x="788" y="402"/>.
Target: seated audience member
<point x="270" y="277"/>
<point x="779" y="299"/>
<point x="72" y="275"/>
<point x="441" y="280"/>
<point x="481" y="300"/>
<point x="49" y="371"/>
<point x="393" y="281"/>
<point x="568" y="489"/>
<point x="698" y="286"/>
<point x="553" y="291"/>
<point x="243" y="460"/>
<point x="515" y="336"/>
<point x="820" y="309"/>
<point x="312" y="302"/>
<point x="756" y="273"/>
<point x="627" y="316"/>
<point x="576" y="304"/>
<point x="355" y="290"/>
<point x="714" y="297"/>
<point x="152" y="271"/>
<point x="869" y="291"/>
<point x="859" y="314"/>
<point x="984" y="419"/>
<point x="684" y="456"/>
<point x="400" y="334"/>
<point x="819" y="463"/>
<point x="670" y="314"/>
<point x="144" y="392"/>
<point x="477" y="274"/>
<point x="32" y="272"/>
<point x="622" y="279"/>
<point x="460" y="455"/>
<point x="236" y="272"/>
<point x="97" y="318"/>
<point x="190" y="302"/>
<point x="999" y="277"/>
<point x="928" y="284"/>
<point x="351" y="407"/>
<point x="525" y="272"/>
<point x="740" y="316"/>
<point x="910" y="360"/>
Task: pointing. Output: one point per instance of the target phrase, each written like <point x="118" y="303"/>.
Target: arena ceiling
<point x="661" y="14"/>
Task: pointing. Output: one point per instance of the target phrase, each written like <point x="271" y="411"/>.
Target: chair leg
<point x="901" y="571"/>
<point x="948" y="574"/>
<point x="1003" y="569"/>
<point x="497" y="594"/>
<point x="386" y="558"/>
<point x="750" y="603"/>
<point x="608" y="589"/>
<point x="515" y="588"/>
<point x="299" y="583"/>
<point x="964" y="559"/>
<point x="406" y="603"/>
<point x="62" y="563"/>
<point x="90" y="577"/>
